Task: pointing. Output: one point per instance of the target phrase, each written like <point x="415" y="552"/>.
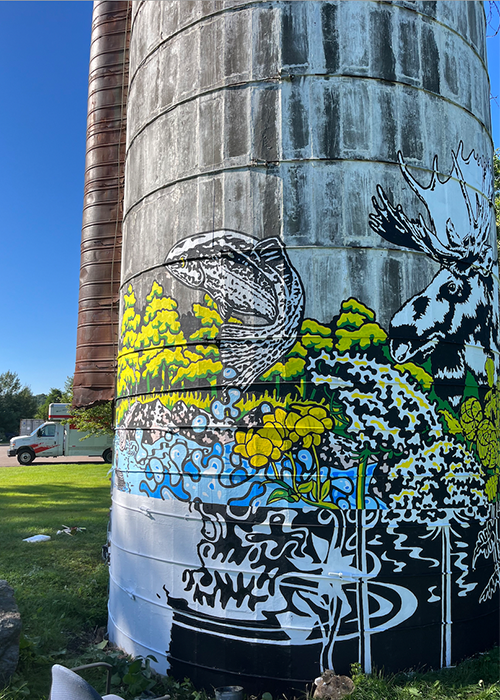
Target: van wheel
<point x="25" y="456"/>
<point x="107" y="456"/>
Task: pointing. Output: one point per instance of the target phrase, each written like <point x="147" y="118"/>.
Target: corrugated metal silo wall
<point x="97" y="334"/>
<point x="306" y="469"/>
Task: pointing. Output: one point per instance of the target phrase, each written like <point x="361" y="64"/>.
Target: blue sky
<point x="44" y="59"/>
<point x="44" y="54"/>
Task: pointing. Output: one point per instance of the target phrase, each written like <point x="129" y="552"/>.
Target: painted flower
<point x="257" y="447"/>
<point x="280" y="431"/>
<point x="285" y="422"/>
<point x="265" y="444"/>
<point x="275" y="429"/>
<point x="311" y="423"/>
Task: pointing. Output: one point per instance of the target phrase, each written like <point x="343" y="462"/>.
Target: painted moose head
<point x="454" y="320"/>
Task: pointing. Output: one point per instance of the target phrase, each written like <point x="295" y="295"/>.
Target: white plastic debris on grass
<point x="37" y="538"/>
<point x="66" y="530"/>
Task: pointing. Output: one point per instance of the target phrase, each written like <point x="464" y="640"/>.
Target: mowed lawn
<point x="60" y="585"/>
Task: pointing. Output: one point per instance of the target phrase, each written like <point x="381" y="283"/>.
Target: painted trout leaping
<point x="245" y="277"/>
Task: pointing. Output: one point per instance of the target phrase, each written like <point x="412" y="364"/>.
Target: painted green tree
<point x="160" y="341"/>
<point x="128" y="374"/>
<point x="155" y="349"/>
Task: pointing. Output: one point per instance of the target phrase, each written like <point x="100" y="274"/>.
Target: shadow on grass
<point x="51" y="491"/>
<point x="18" y="498"/>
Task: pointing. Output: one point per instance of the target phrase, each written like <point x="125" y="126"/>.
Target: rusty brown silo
<point x="94" y="379"/>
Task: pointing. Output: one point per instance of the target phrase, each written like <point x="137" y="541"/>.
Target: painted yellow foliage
<point x="209" y="318"/>
<point x="490" y="372"/>
<point x="471" y="415"/>
<point x="317" y="342"/>
<point x="358" y="308"/>
<point x="487" y="444"/>
<point x="162" y="355"/>
<point x="309" y="325"/>
<point x="356" y="327"/>
<point x="289" y="369"/>
<point x="480" y="425"/>
<point x="423" y="378"/>
<point x="315" y="336"/>
<point x="130" y="320"/>
<point x="298" y="350"/>
<point x="161" y="321"/>
<point x="153" y="362"/>
<point x="198" y="369"/>
<point x="350" y="319"/>
<point x="492" y="398"/>
<point x="368" y="334"/>
<point x="127" y="374"/>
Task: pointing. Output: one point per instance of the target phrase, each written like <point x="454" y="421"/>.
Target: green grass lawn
<point x="61" y="591"/>
<point x="60" y="585"/>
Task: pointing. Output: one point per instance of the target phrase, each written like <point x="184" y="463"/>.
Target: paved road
<point x="12" y="461"/>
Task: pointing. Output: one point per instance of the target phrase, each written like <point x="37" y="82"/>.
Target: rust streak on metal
<point x="97" y="332"/>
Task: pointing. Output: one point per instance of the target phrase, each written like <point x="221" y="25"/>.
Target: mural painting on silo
<point x="357" y="430"/>
<point x="334" y="479"/>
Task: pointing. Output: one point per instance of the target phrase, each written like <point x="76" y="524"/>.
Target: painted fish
<point x="247" y="277"/>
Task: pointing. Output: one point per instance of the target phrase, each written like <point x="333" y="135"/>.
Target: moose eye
<point x="451" y="289"/>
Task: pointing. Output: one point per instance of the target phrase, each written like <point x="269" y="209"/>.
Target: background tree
<point x="97" y="420"/>
<point x="64" y="395"/>
<point x="54" y="396"/>
<point x="40" y="398"/>
<point x="16" y="402"/>
<point x="67" y="392"/>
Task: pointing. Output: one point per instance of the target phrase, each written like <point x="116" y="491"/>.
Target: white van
<point x="56" y="439"/>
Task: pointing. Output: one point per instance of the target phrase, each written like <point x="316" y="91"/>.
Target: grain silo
<point x="306" y="468"/>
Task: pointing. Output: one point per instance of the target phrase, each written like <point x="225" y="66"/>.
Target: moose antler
<point x="392" y="224"/>
<point x="462" y="237"/>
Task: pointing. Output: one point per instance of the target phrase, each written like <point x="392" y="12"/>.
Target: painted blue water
<point x="177" y="467"/>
